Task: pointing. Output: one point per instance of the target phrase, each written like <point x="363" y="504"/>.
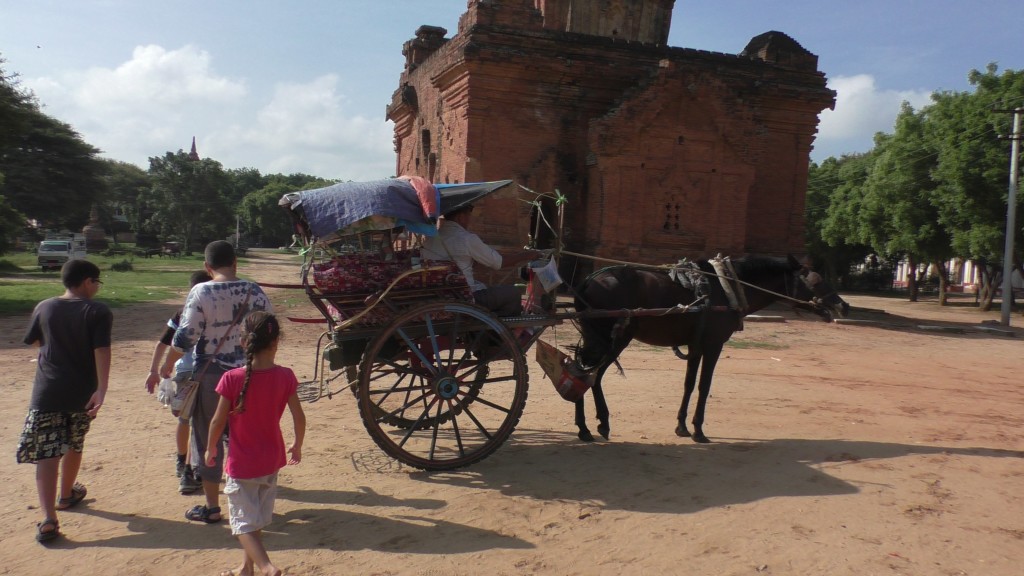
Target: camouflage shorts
<point x="52" y="434"/>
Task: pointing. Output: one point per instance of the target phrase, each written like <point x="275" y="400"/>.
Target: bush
<point x="871" y="279"/>
<point x="122" y="266"/>
<point x="144" y="240"/>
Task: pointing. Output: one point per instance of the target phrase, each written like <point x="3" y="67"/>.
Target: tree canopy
<point x="262" y="214"/>
<point x="50" y="174"/>
<point x="933" y="190"/>
<point x="188" y="199"/>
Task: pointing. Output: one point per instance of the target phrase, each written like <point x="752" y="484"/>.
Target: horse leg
<point x="603" y="428"/>
<point x="602" y="410"/>
<point x="707" y="371"/>
<point x="581" y="423"/>
<point x="689" y="382"/>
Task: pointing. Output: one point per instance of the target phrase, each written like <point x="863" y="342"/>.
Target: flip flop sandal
<point x="47" y="535"/>
<point x="201" y="513"/>
<point x="78" y="492"/>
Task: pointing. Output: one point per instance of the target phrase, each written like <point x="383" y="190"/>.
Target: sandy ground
<point x="839" y="449"/>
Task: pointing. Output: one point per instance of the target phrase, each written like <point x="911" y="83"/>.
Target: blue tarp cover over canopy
<point x="352" y="207"/>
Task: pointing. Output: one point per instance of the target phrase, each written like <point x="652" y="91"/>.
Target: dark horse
<point x="703" y="329"/>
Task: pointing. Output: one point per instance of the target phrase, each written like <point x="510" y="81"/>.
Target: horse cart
<point x="440" y="382"/>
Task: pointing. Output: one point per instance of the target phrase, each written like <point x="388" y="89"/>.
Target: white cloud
<point x="159" y="99"/>
<point x="144" y="107"/>
<point x="862" y="109"/>
<point x="156" y="78"/>
<point x="306" y="128"/>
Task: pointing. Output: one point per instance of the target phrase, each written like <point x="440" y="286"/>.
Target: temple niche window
<point x="672" y="217"/>
<point x="425" y="141"/>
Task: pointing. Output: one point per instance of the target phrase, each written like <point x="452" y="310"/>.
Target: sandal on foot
<point x="201" y="513"/>
<point x="78" y="492"/>
<point x="47" y="535"/>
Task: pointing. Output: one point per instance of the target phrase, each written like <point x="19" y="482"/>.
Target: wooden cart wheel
<point x="454" y="378"/>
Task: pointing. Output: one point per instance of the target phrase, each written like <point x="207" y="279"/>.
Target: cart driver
<point x="456" y="243"/>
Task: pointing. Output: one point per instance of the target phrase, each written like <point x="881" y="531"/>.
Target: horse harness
<point x="689" y="275"/>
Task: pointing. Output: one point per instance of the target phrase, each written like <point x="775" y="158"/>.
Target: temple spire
<point x="193" y="155"/>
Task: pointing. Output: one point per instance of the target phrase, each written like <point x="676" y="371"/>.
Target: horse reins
<point x="720" y="277"/>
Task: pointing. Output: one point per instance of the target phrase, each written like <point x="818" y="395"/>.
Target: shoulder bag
<point x="189" y="390"/>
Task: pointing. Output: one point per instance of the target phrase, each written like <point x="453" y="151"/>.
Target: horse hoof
<point x="682" y="432"/>
<point x="701" y="439"/>
<point x="604" y="431"/>
<point x="586" y="436"/>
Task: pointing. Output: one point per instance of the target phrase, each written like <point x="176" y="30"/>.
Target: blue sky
<point x="302" y="86"/>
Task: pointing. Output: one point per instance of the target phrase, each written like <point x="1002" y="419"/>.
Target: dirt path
<point x="839" y="449"/>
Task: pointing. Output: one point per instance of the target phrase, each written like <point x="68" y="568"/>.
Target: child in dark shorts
<point x="181" y="371"/>
<point x="72" y="332"/>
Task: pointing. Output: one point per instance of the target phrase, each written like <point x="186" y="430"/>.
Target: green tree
<point x="264" y="217"/>
<point x="125" y="187"/>
<point x="50" y="174"/>
<point x="898" y="215"/>
<point x="972" y="170"/>
<point x="187" y="199"/>
<point x="242" y="182"/>
<point x="12" y="224"/>
<point x="835" y="256"/>
<point x="841" y="225"/>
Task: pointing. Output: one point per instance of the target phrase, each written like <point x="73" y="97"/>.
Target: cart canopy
<point x="347" y="208"/>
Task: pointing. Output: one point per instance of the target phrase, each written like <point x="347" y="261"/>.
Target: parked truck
<point x="57" y="249"/>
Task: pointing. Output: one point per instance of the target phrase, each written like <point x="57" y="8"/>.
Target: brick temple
<point x="662" y="152"/>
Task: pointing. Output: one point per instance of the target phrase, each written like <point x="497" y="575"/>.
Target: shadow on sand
<point x="679" y="478"/>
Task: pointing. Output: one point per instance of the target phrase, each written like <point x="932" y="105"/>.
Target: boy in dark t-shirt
<point x="72" y="332"/>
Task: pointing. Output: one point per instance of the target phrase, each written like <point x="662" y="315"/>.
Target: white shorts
<point x="250" y="502"/>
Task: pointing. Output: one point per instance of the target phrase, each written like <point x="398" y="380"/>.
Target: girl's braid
<point x="260" y="331"/>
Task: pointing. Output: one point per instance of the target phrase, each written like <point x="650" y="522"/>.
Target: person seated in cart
<point x="454" y="242"/>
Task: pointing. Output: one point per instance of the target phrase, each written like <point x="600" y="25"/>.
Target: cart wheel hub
<point x="447" y="387"/>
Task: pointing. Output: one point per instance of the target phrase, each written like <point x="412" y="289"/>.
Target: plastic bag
<point x="547" y="274"/>
<point x="165" y="391"/>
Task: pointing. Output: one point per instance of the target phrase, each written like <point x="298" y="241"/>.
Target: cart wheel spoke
<point x="400" y="370"/>
<point x="506" y="410"/>
<point x="455" y="429"/>
<point x="496" y="380"/>
<point x="483" y="430"/>
<point x="433" y="435"/>
<point x="400" y="411"/>
<point x="414" y="428"/>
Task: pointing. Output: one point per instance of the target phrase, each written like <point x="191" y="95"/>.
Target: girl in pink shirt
<point x="252" y="400"/>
